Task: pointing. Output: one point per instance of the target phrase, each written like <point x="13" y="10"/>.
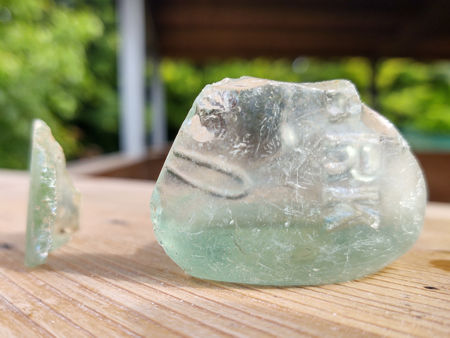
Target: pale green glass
<point x="286" y="184"/>
<point x="53" y="201"/>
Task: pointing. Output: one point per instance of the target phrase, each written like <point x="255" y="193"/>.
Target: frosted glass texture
<point x="286" y="184"/>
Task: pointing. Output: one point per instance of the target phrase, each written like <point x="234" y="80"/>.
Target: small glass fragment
<point x="286" y="184"/>
<point x="53" y="201"/>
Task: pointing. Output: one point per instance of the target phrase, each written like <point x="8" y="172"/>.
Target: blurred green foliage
<point x="58" y="63"/>
<point x="184" y="80"/>
<point x="413" y="95"/>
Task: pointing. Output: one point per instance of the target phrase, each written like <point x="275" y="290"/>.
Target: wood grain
<point x="114" y="280"/>
<point x="221" y="29"/>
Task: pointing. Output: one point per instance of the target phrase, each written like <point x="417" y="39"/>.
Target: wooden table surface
<point x="113" y="279"/>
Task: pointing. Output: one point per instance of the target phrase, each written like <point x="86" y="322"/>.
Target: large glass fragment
<point x="53" y="201"/>
<point x="286" y="184"/>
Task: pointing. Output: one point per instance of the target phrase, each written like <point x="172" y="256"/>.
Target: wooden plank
<point x="204" y="30"/>
<point x="113" y="279"/>
<point x="436" y="167"/>
<point x="118" y="165"/>
<point x="218" y="43"/>
<point x="245" y="17"/>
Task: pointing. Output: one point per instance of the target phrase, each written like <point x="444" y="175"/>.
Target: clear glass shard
<point x="53" y="204"/>
<point x="286" y="184"/>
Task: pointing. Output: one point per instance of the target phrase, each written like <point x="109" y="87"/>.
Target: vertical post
<point x="132" y="76"/>
<point x="157" y="97"/>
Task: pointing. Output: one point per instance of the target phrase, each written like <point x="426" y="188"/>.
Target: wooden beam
<point x="220" y="43"/>
<point x="203" y="30"/>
